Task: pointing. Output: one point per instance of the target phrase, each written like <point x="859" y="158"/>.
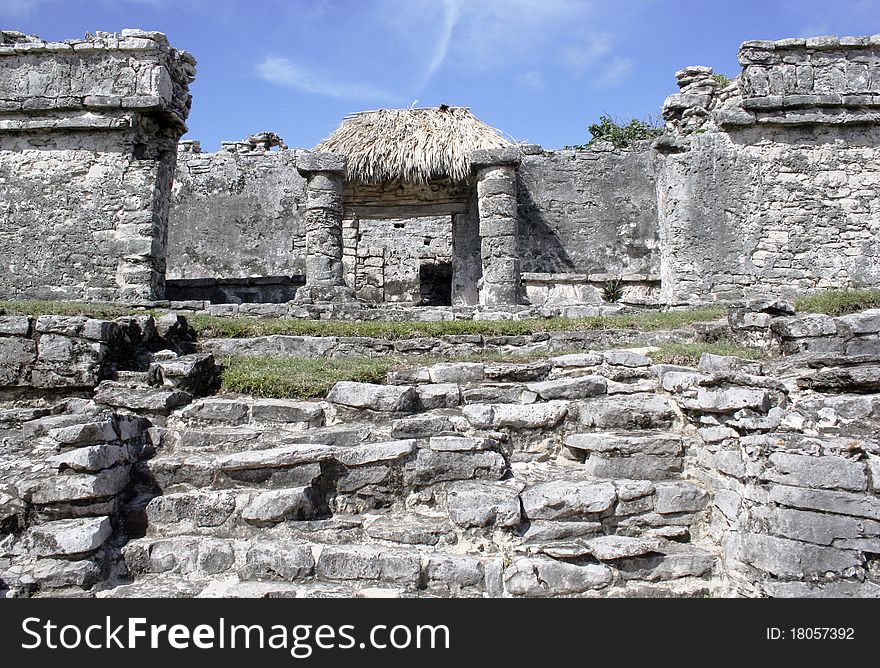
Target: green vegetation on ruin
<point x="622" y="134"/>
<point x="722" y="80"/>
<point x="839" y="302"/>
<point x="688" y="354"/>
<point x="299" y="378"/>
<point x="91" y="310"/>
<point x="248" y="327"/>
<point x="313" y="378"/>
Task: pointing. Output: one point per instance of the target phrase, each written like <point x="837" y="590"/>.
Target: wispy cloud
<point x="530" y="80"/>
<point x="290" y="74"/>
<point x="451" y="16"/>
<point x="814" y="30"/>
<point x="582" y="56"/>
<point x="615" y="72"/>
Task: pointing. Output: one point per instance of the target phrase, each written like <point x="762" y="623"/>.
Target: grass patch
<point x="247" y="327"/>
<point x="300" y="378"/>
<point x="38" y="308"/>
<point x="310" y="378"/>
<point x="688" y="354"/>
<point x="839" y="302"/>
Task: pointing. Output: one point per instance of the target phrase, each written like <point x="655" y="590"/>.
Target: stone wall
<point x="236" y="213"/>
<point x="587" y="212"/>
<point x="87" y="153"/>
<point x="775" y="191"/>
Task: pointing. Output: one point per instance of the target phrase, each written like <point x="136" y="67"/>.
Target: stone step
<point x="643" y="455"/>
<point x="562" y="504"/>
<point x="200" y="559"/>
<point x="195" y="565"/>
<point x="355" y="477"/>
<point x="234" y="411"/>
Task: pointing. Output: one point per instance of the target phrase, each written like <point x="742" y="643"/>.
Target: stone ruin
<point x="593" y="471"/>
<point x="764" y="187"/>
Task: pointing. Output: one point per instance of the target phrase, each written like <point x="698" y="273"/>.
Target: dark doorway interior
<point x="435" y="284"/>
<point x="252" y="290"/>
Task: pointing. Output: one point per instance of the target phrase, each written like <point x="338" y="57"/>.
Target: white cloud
<point x="582" y="56"/>
<point x="530" y="80"/>
<point x="287" y="73"/>
<point x="814" y="30"/>
<point x="451" y="16"/>
<point x="615" y="72"/>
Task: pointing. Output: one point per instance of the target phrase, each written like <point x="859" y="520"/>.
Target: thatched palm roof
<point x="412" y="145"/>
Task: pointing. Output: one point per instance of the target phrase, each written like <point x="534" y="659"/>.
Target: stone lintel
<point x="495" y="157"/>
<point x="320" y="161"/>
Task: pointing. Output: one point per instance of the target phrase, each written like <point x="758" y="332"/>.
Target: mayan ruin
<point x="424" y="359"/>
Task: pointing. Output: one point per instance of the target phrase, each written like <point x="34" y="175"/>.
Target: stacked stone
<point x="688" y="110"/>
<point x="796" y="510"/>
<point x="69" y="498"/>
<point x="325" y="278"/>
<point x="113" y="107"/>
<point x="499" y="235"/>
<point x="53" y="352"/>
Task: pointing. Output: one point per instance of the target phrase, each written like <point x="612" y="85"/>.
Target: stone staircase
<point x="550" y="478"/>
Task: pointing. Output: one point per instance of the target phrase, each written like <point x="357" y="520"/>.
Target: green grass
<point x="294" y="377"/>
<point x="839" y="302"/>
<point x="209" y="326"/>
<point x="247" y="327"/>
<point x="688" y="354"/>
<point x="310" y="378"/>
<point x="38" y="308"/>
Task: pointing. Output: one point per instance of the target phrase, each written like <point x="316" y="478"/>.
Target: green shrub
<point x="607" y="129"/>
<point x="612" y="290"/>
<point x="722" y="80"/>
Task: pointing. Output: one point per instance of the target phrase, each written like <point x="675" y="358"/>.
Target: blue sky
<point x="540" y="70"/>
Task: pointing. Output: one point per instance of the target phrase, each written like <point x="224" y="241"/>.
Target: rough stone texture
<point x="499" y="234"/>
<point x="235" y="214"/>
<point x="769" y="210"/>
<point x="588" y="212"/>
<point x="87" y="156"/>
<point x="68" y="538"/>
<point x="479" y="504"/>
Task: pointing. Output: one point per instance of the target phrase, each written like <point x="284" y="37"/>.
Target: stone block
<point x="481" y="504"/>
<point x="534" y="577"/>
<point x="567" y="500"/>
<point x="67" y="538"/>
<point x="384" y="398"/>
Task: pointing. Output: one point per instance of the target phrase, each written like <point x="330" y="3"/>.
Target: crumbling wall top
<point x="51" y="78"/>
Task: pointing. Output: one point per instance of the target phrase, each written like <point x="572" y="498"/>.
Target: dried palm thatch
<point x="411" y="145"/>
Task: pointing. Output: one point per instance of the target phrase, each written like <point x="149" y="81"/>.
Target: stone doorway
<point x="435" y="284"/>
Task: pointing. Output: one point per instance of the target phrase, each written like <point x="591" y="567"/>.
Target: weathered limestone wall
<point x="87" y="153"/>
<point x="784" y="198"/>
<point x="236" y="213"/>
<point x="391" y="255"/>
<point x="588" y="212"/>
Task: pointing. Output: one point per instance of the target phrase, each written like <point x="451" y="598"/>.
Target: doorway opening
<point x="435" y="284"/>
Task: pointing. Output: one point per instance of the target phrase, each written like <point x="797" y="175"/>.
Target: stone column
<point x="495" y="172"/>
<point x="325" y="275"/>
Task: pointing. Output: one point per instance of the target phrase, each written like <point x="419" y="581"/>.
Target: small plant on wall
<point x="612" y="290"/>
<point x="623" y="134"/>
